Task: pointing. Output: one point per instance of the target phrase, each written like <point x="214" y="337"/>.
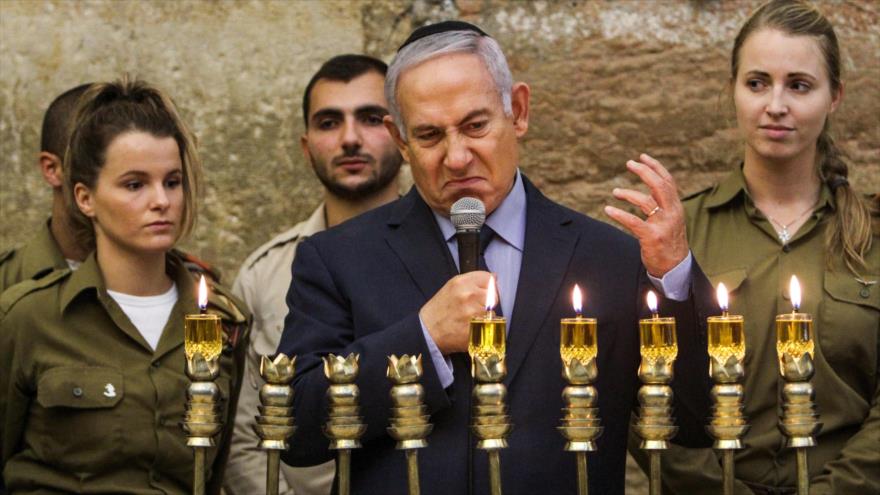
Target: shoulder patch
<point x="14" y="293"/>
<point x="698" y="193"/>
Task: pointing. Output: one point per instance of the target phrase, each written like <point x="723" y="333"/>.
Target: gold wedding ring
<point x="655" y="210"/>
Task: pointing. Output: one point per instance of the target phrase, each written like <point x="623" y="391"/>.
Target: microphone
<point x="468" y="216"/>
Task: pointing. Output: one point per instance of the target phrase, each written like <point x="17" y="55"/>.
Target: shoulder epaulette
<point x="698" y="193"/>
<point x="5" y="255"/>
<point x="14" y="293"/>
<point x="290" y="235"/>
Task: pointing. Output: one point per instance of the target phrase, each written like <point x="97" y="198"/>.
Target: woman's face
<point x="782" y="95"/>
<point x="137" y="202"/>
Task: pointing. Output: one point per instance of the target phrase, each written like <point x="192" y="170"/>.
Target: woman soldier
<point x="92" y="383"/>
<point x="788" y="209"/>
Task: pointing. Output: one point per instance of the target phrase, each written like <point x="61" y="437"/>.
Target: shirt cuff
<point x="676" y="283"/>
<point x="442" y="364"/>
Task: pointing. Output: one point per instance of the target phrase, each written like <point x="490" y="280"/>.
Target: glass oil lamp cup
<point x="491" y="424"/>
<point x="726" y="337"/>
<point x="657" y="335"/>
<point x="577" y="335"/>
<point x="202" y="332"/>
<point x="727" y="349"/>
<point x="488" y="332"/>
<point x="655" y="425"/>
<point x="580" y="421"/>
<point x="794" y="346"/>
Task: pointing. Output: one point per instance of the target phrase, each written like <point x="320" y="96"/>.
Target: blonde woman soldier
<point x="92" y="383"/>
<point x="788" y="209"/>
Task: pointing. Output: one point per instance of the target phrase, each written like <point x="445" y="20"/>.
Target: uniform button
<point x="865" y="292"/>
<point x="77" y="392"/>
<point x="786" y="248"/>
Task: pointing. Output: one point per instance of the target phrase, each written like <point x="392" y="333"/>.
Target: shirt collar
<point x="508" y="220"/>
<point x="89" y="276"/>
<point x="735" y="184"/>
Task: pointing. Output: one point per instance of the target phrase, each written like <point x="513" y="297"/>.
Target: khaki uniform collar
<point x="317" y="222"/>
<point x="88" y="276"/>
<point x="41" y="254"/>
<point x="735" y="184"/>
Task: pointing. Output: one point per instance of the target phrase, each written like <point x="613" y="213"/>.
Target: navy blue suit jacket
<point x="359" y="287"/>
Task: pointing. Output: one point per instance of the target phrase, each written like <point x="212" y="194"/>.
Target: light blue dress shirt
<point x="504" y="258"/>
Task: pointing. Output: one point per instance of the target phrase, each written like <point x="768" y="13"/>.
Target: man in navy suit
<point x="387" y="283"/>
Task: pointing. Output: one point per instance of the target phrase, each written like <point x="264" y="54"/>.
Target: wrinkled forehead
<point x="445" y="85"/>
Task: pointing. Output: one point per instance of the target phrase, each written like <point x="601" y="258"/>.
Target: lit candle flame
<point x="652" y="302"/>
<point x="577" y="300"/>
<point x="722" y="297"/>
<point x="203" y="294"/>
<point x="490" y="294"/>
<point x="794" y="289"/>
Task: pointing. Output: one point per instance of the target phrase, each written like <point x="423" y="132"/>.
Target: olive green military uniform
<point x="735" y="244"/>
<point x="35" y="259"/>
<point x="87" y="405"/>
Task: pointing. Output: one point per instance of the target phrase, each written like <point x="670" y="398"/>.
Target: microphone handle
<point x="468" y="250"/>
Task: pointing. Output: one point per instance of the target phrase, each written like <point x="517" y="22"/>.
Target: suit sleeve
<point x="691" y="382"/>
<point x="320" y="322"/>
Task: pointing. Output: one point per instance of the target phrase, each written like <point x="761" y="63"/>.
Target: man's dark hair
<point x="342" y="68"/>
<point x="58" y="119"/>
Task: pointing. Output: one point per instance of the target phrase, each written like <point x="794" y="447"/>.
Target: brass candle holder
<point x="727" y="349"/>
<point x="655" y="425"/>
<point x="275" y="424"/>
<point x="580" y="422"/>
<point x="344" y="426"/>
<point x="409" y="416"/>
<point x="799" y="421"/>
<point x="491" y="425"/>
<point x="203" y="418"/>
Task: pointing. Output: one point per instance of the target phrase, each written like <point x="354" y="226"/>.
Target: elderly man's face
<point x="459" y="142"/>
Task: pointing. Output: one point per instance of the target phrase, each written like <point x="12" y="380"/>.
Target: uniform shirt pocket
<point x="848" y="328"/>
<point x="75" y="422"/>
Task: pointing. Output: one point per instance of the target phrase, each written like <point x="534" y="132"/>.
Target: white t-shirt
<point x="148" y="314"/>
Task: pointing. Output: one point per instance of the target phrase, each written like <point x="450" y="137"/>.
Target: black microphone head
<point x="467" y="214"/>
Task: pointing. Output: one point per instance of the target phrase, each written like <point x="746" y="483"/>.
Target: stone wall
<point x="609" y="80"/>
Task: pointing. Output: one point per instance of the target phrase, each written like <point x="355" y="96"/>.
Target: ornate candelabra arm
<point x="655" y="424"/>
<point x="580" y="422"/>
<point x="203" y="419"/>
<point x="491" y="424"/>
<point x="799" y="421"/>
<point x="409" y="418"/>
<point x="275" y="424"/>
<point x="344" y="426"/>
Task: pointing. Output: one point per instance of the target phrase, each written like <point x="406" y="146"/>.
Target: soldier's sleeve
<point x="15" y="386"/>
<point x="857" y="468"/>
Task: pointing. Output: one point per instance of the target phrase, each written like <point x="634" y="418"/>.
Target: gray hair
<point x="443" y="44"/>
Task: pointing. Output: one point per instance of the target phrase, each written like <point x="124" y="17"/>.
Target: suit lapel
<point x="549" y="245"/>
<point x="416" y="239"/>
